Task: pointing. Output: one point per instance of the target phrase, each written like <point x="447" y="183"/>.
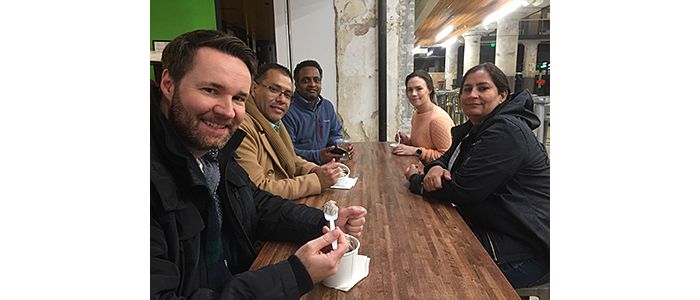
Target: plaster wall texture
<point x="400" y="45"/>
<point x="356" y="57"/>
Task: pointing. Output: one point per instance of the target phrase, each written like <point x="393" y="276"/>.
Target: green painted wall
<point x="170" y="18"/>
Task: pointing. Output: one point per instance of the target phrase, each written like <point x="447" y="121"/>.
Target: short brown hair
<point x="178" y="55"/>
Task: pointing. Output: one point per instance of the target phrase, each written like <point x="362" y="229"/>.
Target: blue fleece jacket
<point x="311" y="128"/>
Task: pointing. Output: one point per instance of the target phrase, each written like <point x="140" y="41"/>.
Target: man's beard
<point x="185" y="124"/>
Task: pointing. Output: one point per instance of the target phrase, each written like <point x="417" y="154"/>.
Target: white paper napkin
<point x="359" y="271"/>
<point x="344" y="183"/>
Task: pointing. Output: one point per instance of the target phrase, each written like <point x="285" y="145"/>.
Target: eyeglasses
<point x="277" y="91"/>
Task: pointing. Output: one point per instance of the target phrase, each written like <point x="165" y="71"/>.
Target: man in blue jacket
<point x="311" y="120"/>
<point x="206" y="215"/>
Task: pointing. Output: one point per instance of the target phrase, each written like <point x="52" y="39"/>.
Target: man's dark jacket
<point x="500" y="181"/>
<point x="179" y="199"/>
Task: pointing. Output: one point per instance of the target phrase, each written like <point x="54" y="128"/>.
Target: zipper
<point x="249" y="243"/>
<point x="493" y="250"/>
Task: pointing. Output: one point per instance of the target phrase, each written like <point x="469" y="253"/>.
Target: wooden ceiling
<point x="462" y="14"/>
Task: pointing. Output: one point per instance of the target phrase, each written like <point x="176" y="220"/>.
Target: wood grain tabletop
<point x="419" y="248"/>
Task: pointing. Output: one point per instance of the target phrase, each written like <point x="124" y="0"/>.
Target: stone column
<point x="356" y="60"/>
<point x="507" y="48"/>
<point x="402" y="112"/>
<point x="472" y="49"/>
<point x="529" y="64"/>
<point x="451" y="65"/>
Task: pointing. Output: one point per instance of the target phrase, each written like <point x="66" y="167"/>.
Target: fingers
<point x="342" y="247"/>
<point x="410" y="171"/>
<point x="399" y="149"/>
<point x="352" y="219"/>
<point x="351" y="150"/>
<point x="355" y="231"/>
<point x="331" y="163"/>
<point x="446" y="174"/>
<point x="432" y="183"/>
<point x="352" y="212"/>
<point x="326" y="239"/>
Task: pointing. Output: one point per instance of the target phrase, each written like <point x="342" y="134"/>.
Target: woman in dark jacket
<point x="497" y="174"/>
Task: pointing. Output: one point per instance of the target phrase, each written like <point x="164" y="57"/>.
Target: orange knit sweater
<point x="431" y="131"/>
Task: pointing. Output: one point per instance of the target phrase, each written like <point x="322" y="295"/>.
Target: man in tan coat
<point x="267" y="153"/>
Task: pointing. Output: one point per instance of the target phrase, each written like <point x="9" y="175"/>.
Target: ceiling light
<point x="503" y="11"/>
<point x="444" y="32"/>
<point x="419" y="50"/>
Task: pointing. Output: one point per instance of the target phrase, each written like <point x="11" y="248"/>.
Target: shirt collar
<point x="276" y="126"/>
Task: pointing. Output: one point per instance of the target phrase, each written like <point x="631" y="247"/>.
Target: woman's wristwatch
<point x="419" y="151"/>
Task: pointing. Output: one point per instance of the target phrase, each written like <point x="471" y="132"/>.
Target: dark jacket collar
<point x="229" y="150"/>
<point x="171" y="162"/>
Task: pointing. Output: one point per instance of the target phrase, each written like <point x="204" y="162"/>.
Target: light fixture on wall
<point x="503" y="11"/>
<point x="443" y="33"/>
<point x="419" y="50"/>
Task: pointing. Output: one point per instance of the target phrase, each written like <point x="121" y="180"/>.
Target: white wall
<point x="311" y="30"/>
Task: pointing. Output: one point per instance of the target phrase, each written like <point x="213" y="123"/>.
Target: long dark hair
<point x="428" y="82"/>
<point x="500" y="80"/>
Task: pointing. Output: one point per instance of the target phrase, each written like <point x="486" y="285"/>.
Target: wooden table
<point x="419" y="248"/>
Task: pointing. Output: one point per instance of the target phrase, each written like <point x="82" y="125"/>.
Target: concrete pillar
<point x="402" y="112"/>
<point x="507" y="48"/>
<point x="529" y="64"/>
<point x="356" y="60"/>
<point x="451" y="65"/>
<point x="472" y="49"/>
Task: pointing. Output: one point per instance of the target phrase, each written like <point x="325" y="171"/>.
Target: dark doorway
<point x="253" y="22"/>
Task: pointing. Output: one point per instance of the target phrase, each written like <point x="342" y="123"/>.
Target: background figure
<point x="206" y="215"/>
<point x="311" y="121"/>
<point x="497" y="173"/>
<point x="267" y="153"/>
<point x="430" y="124"/>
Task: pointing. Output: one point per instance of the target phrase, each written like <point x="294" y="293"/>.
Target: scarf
<point x="281" y="142"/>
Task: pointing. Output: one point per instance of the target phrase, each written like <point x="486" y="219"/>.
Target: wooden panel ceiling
<point x="462" y="14"/>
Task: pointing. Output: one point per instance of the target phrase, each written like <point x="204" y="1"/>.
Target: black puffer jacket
<point x="500" y="180"/>
<point x="179" y="198"/>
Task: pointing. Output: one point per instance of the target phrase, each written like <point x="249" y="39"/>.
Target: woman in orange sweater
<point x="430" y="125"/>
